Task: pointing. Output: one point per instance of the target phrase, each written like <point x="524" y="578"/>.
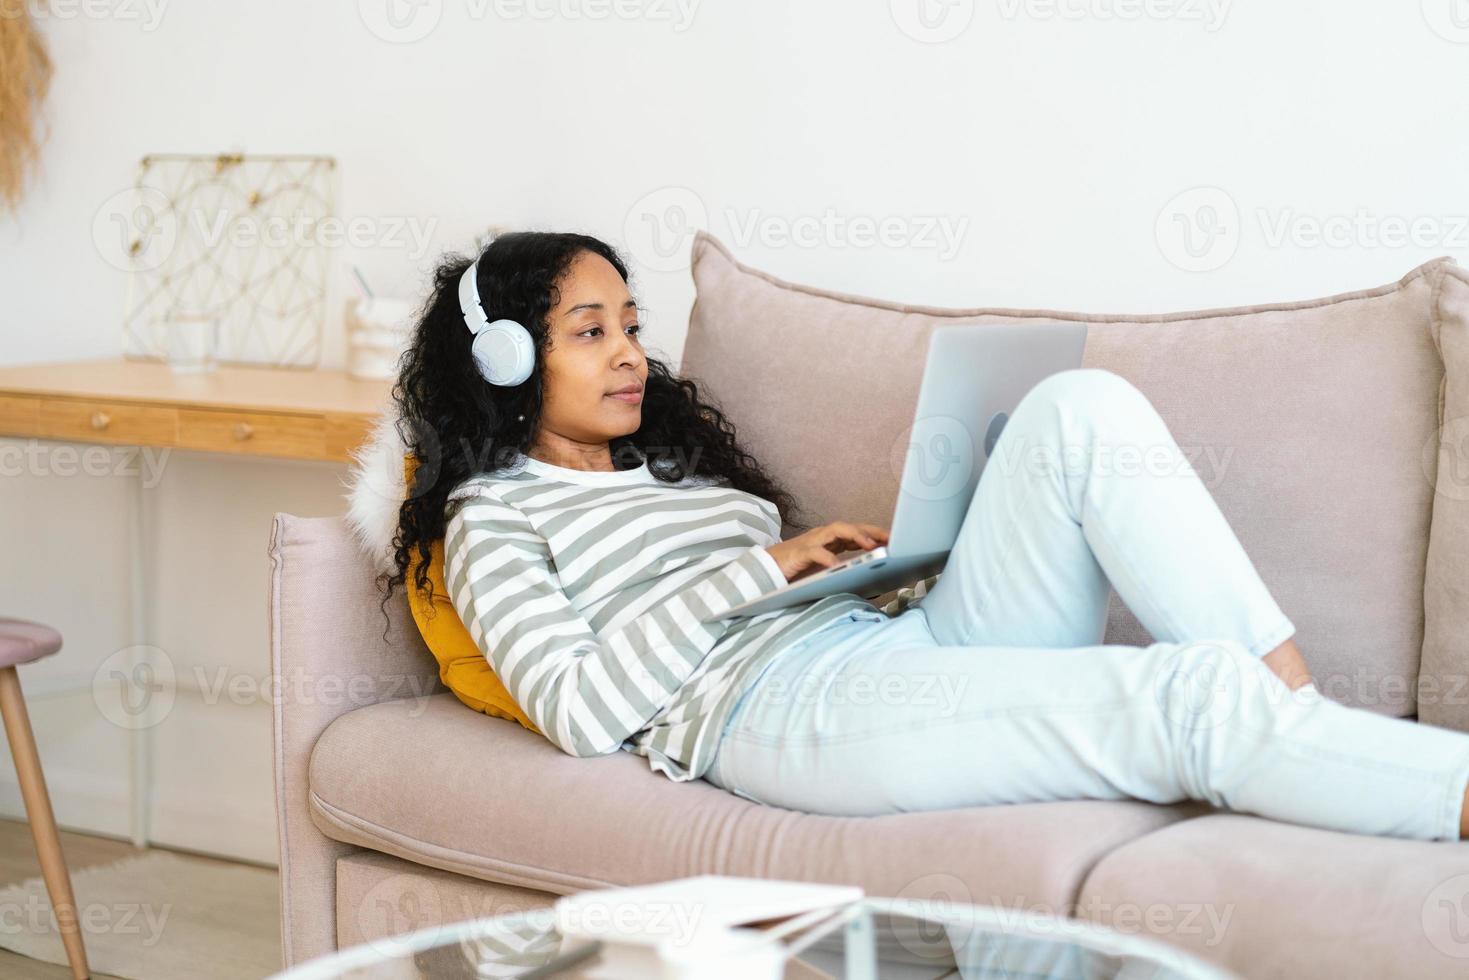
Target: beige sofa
<point x="399" y="807"/>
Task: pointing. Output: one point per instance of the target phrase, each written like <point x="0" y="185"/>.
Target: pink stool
<point x="22" y="642"/>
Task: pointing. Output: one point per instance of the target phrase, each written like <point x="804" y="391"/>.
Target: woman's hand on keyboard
<point x="819" y="547"/>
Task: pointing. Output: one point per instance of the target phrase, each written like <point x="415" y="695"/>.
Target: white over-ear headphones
<point x="503" y="350"/>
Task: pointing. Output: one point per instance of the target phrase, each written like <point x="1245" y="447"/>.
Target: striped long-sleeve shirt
<point x="586" y="591"/>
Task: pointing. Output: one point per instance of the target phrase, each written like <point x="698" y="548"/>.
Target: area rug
<point x="160" y="915"/>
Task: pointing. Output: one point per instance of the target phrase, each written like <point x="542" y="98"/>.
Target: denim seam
<point x="1234" y="725"/>
<point x="1456" y="781"/>
<point x="787" y="739"/>
<point x="1331" y="755"/>
<point x="1447" y="821"/>
<point x="1126" y="560"/>
<point x="987" y="589"/>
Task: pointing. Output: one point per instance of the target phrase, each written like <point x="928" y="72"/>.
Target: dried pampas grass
<point x="25" y="75"/>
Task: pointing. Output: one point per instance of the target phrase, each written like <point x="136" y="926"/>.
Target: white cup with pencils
<point x="378" y="331"/>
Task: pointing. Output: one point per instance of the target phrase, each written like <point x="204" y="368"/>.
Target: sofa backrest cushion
<point x="1443" y="682"/>
<point x="1314" y="424"/>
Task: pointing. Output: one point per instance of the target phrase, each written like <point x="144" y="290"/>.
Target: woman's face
<point x="594" y="351"/>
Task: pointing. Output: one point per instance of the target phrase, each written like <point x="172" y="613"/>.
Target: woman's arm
<point x="587" y="694"/>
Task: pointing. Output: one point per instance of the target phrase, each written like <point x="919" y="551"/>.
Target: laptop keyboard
<point x="844" y="563"/>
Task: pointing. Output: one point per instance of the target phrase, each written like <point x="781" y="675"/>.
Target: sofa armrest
<point x="328" y="656"/>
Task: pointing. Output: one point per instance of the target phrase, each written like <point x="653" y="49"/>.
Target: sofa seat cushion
<point x="428" y="780"/>
<point x="1267" y="898"/>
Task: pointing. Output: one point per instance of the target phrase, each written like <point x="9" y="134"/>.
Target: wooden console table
<point x="259" y="411"/>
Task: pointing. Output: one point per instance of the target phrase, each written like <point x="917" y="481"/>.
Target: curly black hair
<point x="458" y="425"/>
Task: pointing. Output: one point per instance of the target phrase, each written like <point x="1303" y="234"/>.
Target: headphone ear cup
<point x="504" y="353"/>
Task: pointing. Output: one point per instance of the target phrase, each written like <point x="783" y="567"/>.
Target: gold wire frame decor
<point x="242" y="239"/>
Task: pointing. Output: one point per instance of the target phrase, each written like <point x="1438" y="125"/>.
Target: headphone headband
<point x="469" y="304"/>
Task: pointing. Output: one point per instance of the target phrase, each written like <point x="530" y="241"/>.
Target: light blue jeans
<point x="995" y="687"/>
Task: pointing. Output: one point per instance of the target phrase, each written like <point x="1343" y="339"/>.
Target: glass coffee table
<point x="872" y="939"/>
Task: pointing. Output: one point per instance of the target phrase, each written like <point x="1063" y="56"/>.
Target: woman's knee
<point x="1205" y="701"/>
<point x="1203" y="687"/>
<point x="1086" y="386"/>
<point x="1079" y="405"/>
<point x="1067" y="415"/>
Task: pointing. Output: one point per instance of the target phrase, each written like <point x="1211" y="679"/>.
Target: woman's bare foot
<point x="1288" y="664"/>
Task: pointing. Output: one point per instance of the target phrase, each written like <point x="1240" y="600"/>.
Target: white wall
<point x="1056" y="138"/>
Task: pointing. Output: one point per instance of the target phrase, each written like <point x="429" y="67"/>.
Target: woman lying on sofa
<point x="593" y="510"/>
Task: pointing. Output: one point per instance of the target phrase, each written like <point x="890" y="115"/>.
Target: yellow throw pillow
<point x="462" y="666"/>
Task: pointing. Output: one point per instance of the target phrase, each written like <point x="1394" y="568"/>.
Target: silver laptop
<point x="973" y="378"/>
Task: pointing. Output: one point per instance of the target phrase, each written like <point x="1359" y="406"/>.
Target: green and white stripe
<point x="585" y="590"/>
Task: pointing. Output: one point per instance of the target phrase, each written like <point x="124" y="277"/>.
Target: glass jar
<point x="192" y="341"/>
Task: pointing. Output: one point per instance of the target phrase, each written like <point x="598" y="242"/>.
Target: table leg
<point x="140" y="737"/>
<point x="860" y="950"/>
